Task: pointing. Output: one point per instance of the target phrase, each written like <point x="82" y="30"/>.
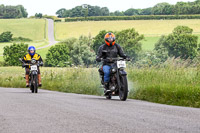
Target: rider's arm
<point x="40" y="60"/>
<point x="120" y="51"/>
<point x="99" y="54"/>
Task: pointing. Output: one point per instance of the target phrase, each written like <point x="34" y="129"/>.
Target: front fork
<point x="118" y="80"/>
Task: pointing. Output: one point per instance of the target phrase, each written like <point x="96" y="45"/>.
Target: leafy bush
<point x="129" y="39"/>
<point x="13" y="52"/>
<point x="81" y="53"/>
<point x="181" y="43"/>
<point x="22" y="39"/>
<point x="6" y="36"/>
<point x="58" y="55"/>
<point x="76" y="51"/>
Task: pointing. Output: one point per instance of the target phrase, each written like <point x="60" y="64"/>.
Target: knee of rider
<point x="107" y="72"/>
<point x="27" y="71"/>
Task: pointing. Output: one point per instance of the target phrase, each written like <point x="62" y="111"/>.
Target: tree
<point x="13" y="52"/>
<point x="105" y="11"/>
<point x="13" y="11"/>
<point x="38" y="15"/>
<point x="61" y="13"/>
<point x="118" y="13"/>
<point x="58" y="56"/>
<point x="82" y="54"/>
<point x="129" y="39"/>
<point x="163" y="9"/>
<point x="131" y="12"/>
<point x="181" y="43"/>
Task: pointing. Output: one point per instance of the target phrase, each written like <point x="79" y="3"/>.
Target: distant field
<point x="28" y="28"/>
<point x="65" y="30"/>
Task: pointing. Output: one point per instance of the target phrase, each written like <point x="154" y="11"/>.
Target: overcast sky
<point x="51" y="6"/>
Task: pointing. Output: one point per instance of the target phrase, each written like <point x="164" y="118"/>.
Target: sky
<point x="51" y="6"/>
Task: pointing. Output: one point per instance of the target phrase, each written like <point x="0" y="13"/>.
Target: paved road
<point x="50" y="34"/>
<point x="55" y="112"/>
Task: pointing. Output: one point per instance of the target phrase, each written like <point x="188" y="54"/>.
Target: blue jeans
<point x="106" y="70"/>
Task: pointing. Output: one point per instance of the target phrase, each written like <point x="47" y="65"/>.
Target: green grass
<point x="28" y="28"/>
<point x="148" y="43"/>
<point x="71" y="80"/>
<point x="171" y="85"/>
<point x="147" y="27"/>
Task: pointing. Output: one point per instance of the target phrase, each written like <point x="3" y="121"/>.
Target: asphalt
<point x="50" y="34"/>
<point x="56" y="112"/>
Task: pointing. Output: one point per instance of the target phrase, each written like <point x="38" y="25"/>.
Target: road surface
<point x="50" y="34"/>
<point x="56" y="112"/>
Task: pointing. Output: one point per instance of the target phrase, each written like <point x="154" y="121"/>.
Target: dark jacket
<point x="106" y="51"/>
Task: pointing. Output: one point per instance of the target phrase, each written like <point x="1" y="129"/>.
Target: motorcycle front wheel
<point x="35" y="79"/>
<point x="123" y="91"/>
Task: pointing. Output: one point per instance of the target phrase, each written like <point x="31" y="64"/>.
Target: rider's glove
<point x="109" y="60"/>
<point x="128" y="58"/>
<point x="41" y="63"/>
<point x="23" y="65"/>
<point x="98" y="59"/>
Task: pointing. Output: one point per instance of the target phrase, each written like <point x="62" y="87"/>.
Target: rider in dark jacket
<point x="107" y="52"/>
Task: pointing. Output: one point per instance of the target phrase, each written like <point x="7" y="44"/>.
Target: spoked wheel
<point x="123" y="91"/>
<point x="32" y="88"/>
<point x="35" y="84"/>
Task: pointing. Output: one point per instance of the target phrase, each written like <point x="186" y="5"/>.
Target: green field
<point x="147" y="27"/>
<point x="34" y="29"/>
<point x="28" y="28"/>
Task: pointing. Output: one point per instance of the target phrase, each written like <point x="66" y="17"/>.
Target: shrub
<point x="58" y="56"/>
<point x="181" y="43"/>
<point x="6" y="36"/>
<point x="13" y="52"/>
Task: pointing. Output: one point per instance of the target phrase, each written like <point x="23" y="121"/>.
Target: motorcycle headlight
<point x="33" y="61"/>
<point x="113" y="70"/>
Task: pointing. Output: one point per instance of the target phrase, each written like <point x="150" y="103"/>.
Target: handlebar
<point x="115" y="59"/>
<point x="26" y="64"/>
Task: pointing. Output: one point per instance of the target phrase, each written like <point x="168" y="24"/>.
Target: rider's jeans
<point x="106" y="70"/>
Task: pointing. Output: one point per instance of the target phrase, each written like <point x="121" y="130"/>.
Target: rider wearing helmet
<point x="108" y="51"/>
<point x="27" y="59"/>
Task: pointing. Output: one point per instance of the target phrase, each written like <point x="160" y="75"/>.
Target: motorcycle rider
<point x="108" y="51"/>
<point x="27" y="59"/>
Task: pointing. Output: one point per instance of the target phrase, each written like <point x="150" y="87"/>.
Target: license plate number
<point x="121" y="64"/>
<point x="34" y="67"/>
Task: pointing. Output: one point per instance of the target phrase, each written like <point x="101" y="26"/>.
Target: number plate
<point x="121" y="64"/>
<point x="33" y="67"/>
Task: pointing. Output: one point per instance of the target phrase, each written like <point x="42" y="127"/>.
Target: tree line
<point x="181" y="43"/>
<point x="180" y="8"/>
<point x="7" y="12"/>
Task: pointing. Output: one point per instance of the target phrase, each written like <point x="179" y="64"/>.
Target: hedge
<point x="137" y="17"/>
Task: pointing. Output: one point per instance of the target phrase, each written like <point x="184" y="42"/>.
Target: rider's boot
<point x="27" y="80"/>
<point x="39" y="80"/>
<point x="106" y="86"/>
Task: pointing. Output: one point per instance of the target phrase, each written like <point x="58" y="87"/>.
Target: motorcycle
<point x="33" y="75"/>
<point x="118" y="84"/>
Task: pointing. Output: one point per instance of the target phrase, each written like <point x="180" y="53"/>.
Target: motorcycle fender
<point x="34" y="73"/>
<point x="122" y="73"/>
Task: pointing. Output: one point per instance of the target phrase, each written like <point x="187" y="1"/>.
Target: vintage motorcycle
<point x="118" y="84"/>
<point x="33" y="75"/>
